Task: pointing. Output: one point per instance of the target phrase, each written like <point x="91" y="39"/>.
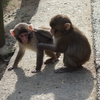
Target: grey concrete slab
<point x="96" y="32"/>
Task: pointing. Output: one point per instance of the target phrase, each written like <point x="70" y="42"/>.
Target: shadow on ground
<point x="26" y="11"/>
<point x="77" y="85"/>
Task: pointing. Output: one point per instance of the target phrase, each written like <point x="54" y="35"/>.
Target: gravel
<point x="96" y="31"/>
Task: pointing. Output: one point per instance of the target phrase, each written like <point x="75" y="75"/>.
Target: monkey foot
<point x="58" y="54"/>
<point x="11" y="68"/>
<point x="51" y="60"/>
<point x="35" y="71"/>
<point x="65" y="70"/>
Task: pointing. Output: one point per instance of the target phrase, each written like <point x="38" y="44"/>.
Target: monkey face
<point x="60" y="24"/>
<point x="24" y="37"/>
<point x="22" y="32"/>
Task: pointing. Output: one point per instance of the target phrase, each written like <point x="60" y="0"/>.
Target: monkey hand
<point x="13" y="67"/>
<point x="35" y="71"/>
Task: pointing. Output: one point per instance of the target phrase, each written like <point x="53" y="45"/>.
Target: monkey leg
<point x="54" y="57"/>
<point x="18" y="58"/>
<point x="39" y="62"/>
<point x="70" y="64"/>
<point x="14" y="66"/>
<point x="57" y="54"/>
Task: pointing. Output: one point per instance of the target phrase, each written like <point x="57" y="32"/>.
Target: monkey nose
<point x="25" y="41"/>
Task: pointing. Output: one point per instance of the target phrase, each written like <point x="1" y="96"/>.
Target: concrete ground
<point x="21" y="84"/>
<point x="96" y="32"/>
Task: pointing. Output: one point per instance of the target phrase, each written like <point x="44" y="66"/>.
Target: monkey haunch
<point x="70" y="41"/>
<point x="28" y="37"/>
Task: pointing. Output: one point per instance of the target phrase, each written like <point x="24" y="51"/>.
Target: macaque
<point x="28" y="37"/>
<point x="70" y="41"/>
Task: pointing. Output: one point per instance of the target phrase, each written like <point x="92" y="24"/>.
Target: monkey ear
<point x="31" y="27"/>
<point x="67" y="26"/>
<point x="12" y="32"/>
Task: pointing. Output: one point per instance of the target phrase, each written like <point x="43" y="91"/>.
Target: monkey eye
<point x="20" y="35"/>
<point x="26" y="34"/>
<point x="23" y="35"/>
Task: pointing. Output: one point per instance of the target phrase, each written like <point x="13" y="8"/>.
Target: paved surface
<point x="96" y="32"/>
<point x="21" y="84"/>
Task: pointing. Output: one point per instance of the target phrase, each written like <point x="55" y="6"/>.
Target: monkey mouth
<point x="25" y="42"/>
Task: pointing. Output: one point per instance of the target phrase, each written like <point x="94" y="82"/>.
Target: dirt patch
<point x="9" y="6"/>
<point x="14" y="12"/>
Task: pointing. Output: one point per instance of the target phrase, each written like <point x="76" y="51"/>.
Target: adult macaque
<point x="70" y="41"/>
<point x="28" y="37"/>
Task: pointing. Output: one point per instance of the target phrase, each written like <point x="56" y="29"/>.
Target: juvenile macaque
<point x="28" y="37"/>
<point x="70" y="41"/>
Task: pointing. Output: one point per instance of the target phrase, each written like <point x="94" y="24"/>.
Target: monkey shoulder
<point x="43" y="36"/>
<point x="78" y="32"/>
<point x="44" y="33"/>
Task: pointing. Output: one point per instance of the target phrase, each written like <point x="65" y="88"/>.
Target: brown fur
<point x="68" y="40"/>
<point x="34" y="37"/>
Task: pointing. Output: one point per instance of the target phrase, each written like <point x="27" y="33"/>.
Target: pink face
<point x="24" y="37"/>
<point x="52" y="31"/>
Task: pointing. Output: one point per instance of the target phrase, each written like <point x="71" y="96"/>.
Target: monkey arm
<point x="48" y="47"/>
<point x="19" y="57"/>
<point x="39" y="60"/>
<point x="40" y="56"/>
